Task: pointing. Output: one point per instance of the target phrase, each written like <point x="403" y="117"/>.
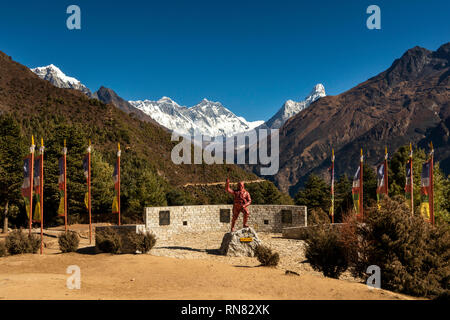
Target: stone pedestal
<point x="240" y="243"/>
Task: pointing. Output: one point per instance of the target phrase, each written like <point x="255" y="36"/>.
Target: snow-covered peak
<point x="317" y="92"/>
<point x="291" y="107"/>
<point x="207" y="117"/>
<point x="59" y="79"/>
<point x="165" y="99"/>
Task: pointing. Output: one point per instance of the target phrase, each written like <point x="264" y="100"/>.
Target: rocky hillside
<point x="107" y="95"/>
<point x="40" y="107"/>
<point x="409" y="102"/>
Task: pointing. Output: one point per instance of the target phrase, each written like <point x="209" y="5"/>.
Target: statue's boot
<point x="246" y="214"/>
<point x="233" y="222"/>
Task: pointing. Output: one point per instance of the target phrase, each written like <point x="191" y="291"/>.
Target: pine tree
<point x="140" y="187"/>
<point x="369" y="184"/>
<point x="102" y="187"/>
<point x="397" y="178"/>
<point x="342" y="197"/>
<point x="77" y="144"/>
<point x="315" y="194"/>
<point x="12" y="152"/>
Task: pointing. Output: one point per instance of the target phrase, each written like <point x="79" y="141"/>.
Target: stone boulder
<point x="240" y="243"/>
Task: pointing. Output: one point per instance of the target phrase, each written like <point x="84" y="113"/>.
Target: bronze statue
<point x="241" y="202"/>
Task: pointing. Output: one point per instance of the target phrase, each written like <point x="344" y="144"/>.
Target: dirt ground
<point x="184" y="267"/>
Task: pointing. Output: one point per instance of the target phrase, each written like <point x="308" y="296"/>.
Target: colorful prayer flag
<point x="61" y="187"/>
<point x="381" y="183"/>
<point x="37" y="190"/>
<point x="332" y="187"/>
<point x="408" y="180"/>
<point x="425" y="187"/>
<point x="356" y="190"/>
<point x="26" y="183"/>
<point x="86" y="174"/>
<point x="115" y="204"/>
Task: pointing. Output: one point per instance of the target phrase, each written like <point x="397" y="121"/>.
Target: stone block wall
<point x="165" y="221"/>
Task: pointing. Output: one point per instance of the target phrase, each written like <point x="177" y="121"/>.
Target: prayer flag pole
<point x="361" y="208"/>
<point x="89" y="191"/>
<point x="31" y="181"/>
<point x="118" y="176"/>
<point x="65" y="185"/>
<point x="386" y="187"/>
<point x="431" y="184"/>
<point x="332" y="185"/>
<point x="41" y="186"/>
<point x="411" y="177"/>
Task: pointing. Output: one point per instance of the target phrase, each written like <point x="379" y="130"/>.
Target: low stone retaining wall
<point x="165" y="221"/>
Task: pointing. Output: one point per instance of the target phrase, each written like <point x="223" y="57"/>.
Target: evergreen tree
<point x="342" y="197"/>
<point x="369" y="184"/>
<point x="102" y="188"/>
<point x="77" y="144"/>
<point x="315" y="194"/>
<point x="12" y="152"/>
<point x="176" y="197"/>
<point x="397" y="177"/>
<point x="140" y="187"/>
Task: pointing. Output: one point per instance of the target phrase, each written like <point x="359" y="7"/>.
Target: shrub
<point x="143" y="242"/>
<point x="34" y="243"/>
<point x="266" y="257"/>
<point x="325" y="251"/>
<point x="17" y="242"/>
<point x="3" y="250"/>
<point x="413" y="255"/>
<point x="318" y="216"/>
<point x="108" y="240"/>
<point x="68" y="241"/>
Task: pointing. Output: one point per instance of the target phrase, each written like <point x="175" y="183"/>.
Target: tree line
<point x="316" y="192"/>
<point x="141" y="185"/>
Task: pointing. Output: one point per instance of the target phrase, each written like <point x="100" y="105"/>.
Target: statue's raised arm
<point x="227" y="187"/>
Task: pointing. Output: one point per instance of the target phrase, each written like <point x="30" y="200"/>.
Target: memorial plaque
<point x="225" y="215"/>
<point x="164" y="218"/>
<point x="286" y="216"/>
<point x="246" y="239"/>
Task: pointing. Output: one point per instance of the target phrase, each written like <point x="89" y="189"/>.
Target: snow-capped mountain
<point x="56" y="77"/>
<point x="207" y="118"/>
<point x="291" y="108"/>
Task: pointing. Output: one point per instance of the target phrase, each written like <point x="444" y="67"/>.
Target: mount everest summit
<point x="207" y="117"/>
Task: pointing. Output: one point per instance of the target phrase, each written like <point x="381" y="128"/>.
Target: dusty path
<point x="105" y="276"/>
<point x="184" y="267"/>
<point x="222" y="183"/>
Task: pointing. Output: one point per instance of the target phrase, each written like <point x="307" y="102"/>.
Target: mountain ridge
<point x="290" y="108"/>
<point x="399" y="105"/>
<point x="39" y="106"/>
<point x="207" y="117"/>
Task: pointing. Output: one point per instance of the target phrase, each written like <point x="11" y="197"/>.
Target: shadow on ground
<point x="208" y="251"/>
<point x="92" y="250"/>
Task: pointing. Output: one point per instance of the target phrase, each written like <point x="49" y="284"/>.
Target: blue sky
<point x="250" y="55"/>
